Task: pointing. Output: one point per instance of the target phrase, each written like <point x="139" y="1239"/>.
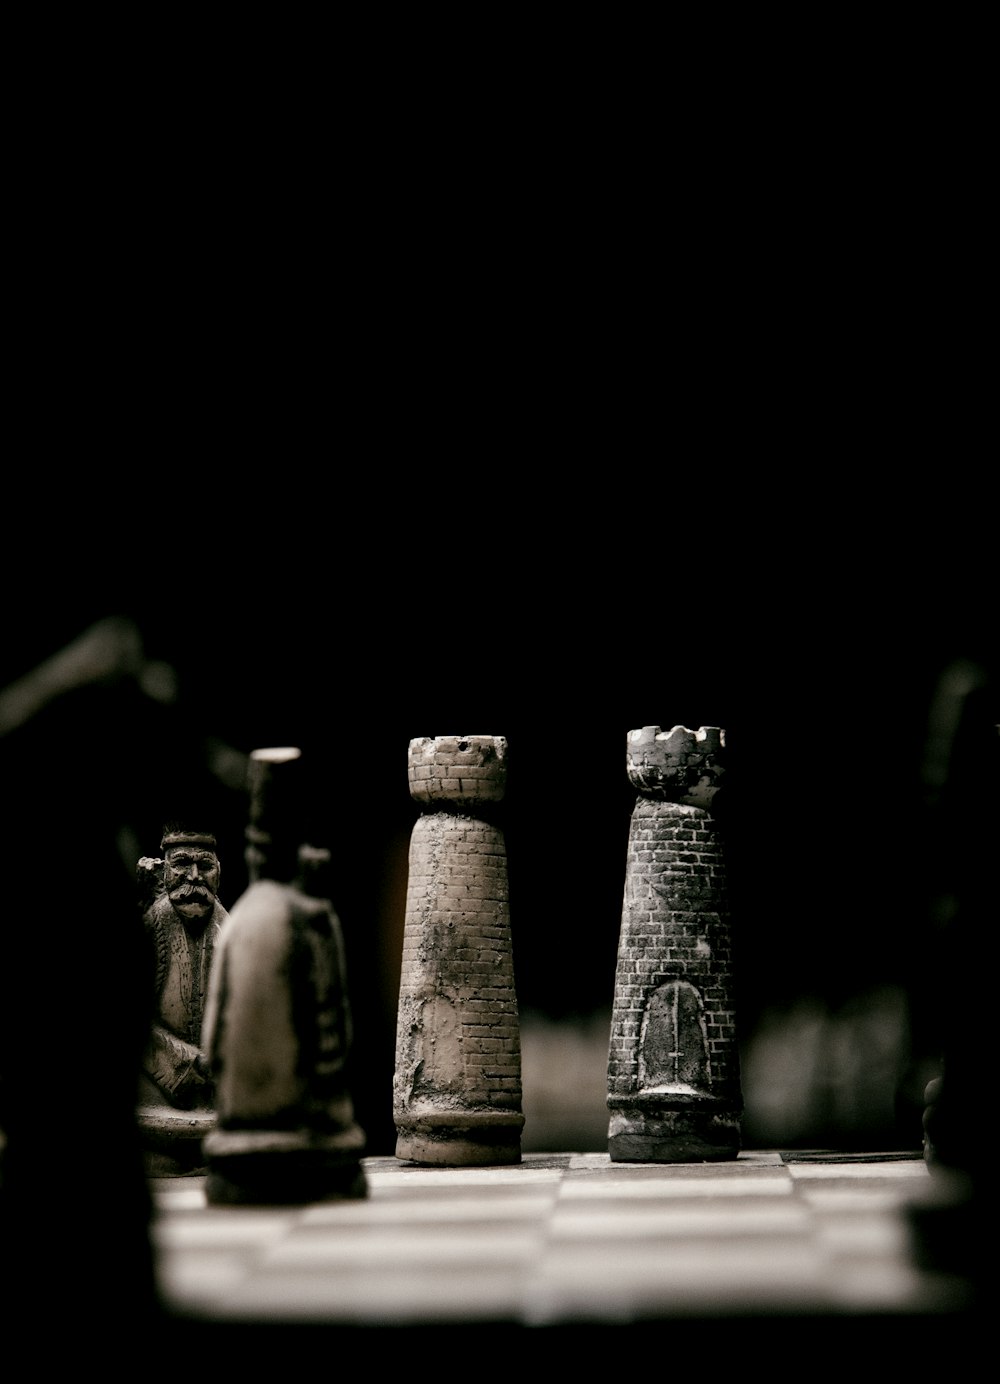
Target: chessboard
<point x="574" y="1241"/>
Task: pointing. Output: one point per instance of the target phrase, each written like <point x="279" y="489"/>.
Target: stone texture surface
<point x="457" y="1078"/>
<point x="673" y="1060"/>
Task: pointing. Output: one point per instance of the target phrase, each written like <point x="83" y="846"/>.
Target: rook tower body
<point x="457" y="1081"/>
<point x="673" y="1063"/>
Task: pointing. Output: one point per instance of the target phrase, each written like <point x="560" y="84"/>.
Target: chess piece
<point x="953" y="1232"/>
<point x="182" y="915"/>
<point x="457" y="1079"/>
<point x="277" y="1030"/>
<point x="673" y="1063"/>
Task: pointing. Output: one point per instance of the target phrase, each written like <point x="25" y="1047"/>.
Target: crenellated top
<point x="458" y="769"/>
<point x="677" y="765"/>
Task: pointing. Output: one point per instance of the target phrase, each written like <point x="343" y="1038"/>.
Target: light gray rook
<point x="457" y="1079"/>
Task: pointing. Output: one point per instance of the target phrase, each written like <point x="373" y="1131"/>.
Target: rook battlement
<point x="677" y="765"/>
<point x="459" y="769"/>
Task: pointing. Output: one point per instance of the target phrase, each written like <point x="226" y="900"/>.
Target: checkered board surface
<point x="562" y="1239"/>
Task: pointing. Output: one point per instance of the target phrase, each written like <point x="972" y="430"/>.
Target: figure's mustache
<point x="185" y="892"/>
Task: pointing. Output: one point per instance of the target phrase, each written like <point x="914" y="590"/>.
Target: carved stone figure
<point x="457" y="1080"/>
<point x="277" y="1031"/>
<point x="183" y="918"/>
<point x="674" y="1090"/>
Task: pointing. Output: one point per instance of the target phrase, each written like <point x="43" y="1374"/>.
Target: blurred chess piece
<point x="674" y="1090"/>
<point x="277" y="1031"/>
<point x="80" y="738"/>
<point x="962" y="780"/>
<point x="457" y="1080"/>
<point x="183" y="918"/>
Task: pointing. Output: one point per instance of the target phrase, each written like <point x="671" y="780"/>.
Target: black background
<point x="590" y="411"/>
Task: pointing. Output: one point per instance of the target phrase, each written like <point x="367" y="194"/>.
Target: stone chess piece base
<point x="172" y="1139"/>
<point x="672" y="1136"/>
<point x="252" y="1167"/>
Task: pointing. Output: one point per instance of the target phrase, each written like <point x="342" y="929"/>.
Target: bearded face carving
<point x="191" y="881"/>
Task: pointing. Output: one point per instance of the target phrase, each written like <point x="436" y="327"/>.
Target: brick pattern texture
<point x="675" y="927"/>
<point x="457" y="1034"/>
<point x="673" y="1059"/>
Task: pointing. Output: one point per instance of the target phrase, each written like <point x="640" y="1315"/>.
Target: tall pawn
<point x="674" y="1093"/>
<point x="277" y="1031"/>
<point x="457" y="1078"/>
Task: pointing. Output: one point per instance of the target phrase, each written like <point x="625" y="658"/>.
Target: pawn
<point x="277" y="1031"/>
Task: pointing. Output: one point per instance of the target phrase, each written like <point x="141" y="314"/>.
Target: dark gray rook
<point x="674" y="1090"/>
<point x="457" y="1081"/>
